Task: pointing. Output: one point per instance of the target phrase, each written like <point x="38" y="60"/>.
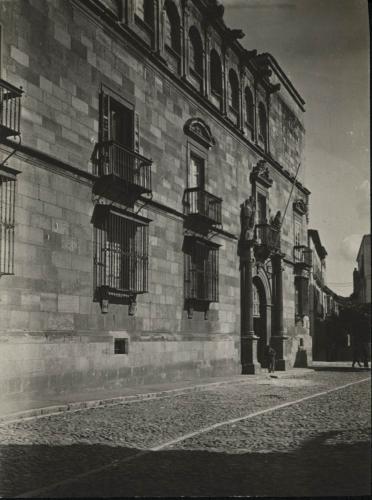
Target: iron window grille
<point x="7" y="219"/>
<point x="120" y="251"/>
<point x="10" y="109"/>
<point x="201" y="270"/>
<point x="121" y="346"/>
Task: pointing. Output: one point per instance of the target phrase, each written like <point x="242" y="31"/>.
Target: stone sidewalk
<point x="21" y="406"/>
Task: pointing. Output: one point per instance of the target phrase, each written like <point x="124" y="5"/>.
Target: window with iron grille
<point x="121" y="346"/>
<point x="120" y="251"/>
<point x="256" y="301"/>
<point x="301" y="288"/>
<point x="7" y="219"/>
<point x="201" y="270"/>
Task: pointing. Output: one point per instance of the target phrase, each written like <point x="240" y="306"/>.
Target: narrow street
<point x="288" y="436"/>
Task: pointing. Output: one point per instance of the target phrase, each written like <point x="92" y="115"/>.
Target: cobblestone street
<point x="317" y="446"/>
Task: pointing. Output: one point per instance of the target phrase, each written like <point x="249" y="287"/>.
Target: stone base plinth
<point x="281" y="365"/>
<point x="278" y="343"/>
<point x="251" y="369"/>
<point x="250" y="364"/>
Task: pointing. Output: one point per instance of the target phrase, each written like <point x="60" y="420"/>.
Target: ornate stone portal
<point x="249" y="340"/>
<point x="248" y="251"/>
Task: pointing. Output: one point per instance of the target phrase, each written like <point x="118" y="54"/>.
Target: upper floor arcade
<point x="189" y="41"/>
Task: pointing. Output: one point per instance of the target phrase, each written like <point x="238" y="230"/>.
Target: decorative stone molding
<point x="231" y="36"/>
<point x="260" y="174"/>
<point x="214" y="11"/>
<point x="199" y="131"/>
<point x="300" y="206"/>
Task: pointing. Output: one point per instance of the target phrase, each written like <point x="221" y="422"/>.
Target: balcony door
<point x="121" y="125"/>
<point x="196" y="182"/>
<point x="261" y="209"/>
<point x="196" y="172"/>
<point x="117" y="125"/>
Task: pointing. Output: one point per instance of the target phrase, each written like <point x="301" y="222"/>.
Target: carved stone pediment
<point x="200" y="132"/>
<point x="300" y="206"/>
<point x="260" y="173"/>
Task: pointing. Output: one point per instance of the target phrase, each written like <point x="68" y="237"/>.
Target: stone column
<point x="255" y="111"/>
<point x="206" y="73"/>
<point x="224" y="104"/>
<point x="156" y="27"/>
<point x="278" y="338"/>
<point x="268" y="124"/>
<point x="240" y="117"/>
<point x="185" y="41"/>
<point x="249" y="340"/>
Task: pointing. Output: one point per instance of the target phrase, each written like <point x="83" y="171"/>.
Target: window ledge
<point x="143" y="24"/>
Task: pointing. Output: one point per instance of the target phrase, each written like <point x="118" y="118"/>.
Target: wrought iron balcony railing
<point x="303" y="255"/>
<point x="125" y="165"/>
<point x="10" y="109"/>
<point x="200" y="203"/>
<point x="267" y="236"/>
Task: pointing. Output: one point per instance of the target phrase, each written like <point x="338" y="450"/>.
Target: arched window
<point x="262" y="120"/>
<point x="172" y="27"/>
<point x="216" y="73"/>
<point x="233" y="91"/>
<point x="145" y="11"/>
<point x="196" y="52"/>
<point x="249" y="108"/>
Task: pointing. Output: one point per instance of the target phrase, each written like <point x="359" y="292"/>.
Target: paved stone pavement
<point x="319" y="446"/>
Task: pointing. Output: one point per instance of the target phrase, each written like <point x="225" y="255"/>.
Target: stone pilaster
<point x="185" y="40"/>
<point x="249" y="340"/>
<point x="224" y="104"/>
<point x="207" y="68"/>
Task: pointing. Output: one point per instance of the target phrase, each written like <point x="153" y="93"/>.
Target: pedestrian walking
<point x="356" y="355"/>
<point x="270" y="354"/>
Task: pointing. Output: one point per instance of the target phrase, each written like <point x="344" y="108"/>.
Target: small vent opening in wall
<point x="121" y="346"/>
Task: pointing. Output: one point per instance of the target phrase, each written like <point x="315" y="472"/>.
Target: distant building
<point x="362" y="274"/>
<point x="317" y="294"/>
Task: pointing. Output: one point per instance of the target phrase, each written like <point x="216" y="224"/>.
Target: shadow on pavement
<point x="340" y="369"/>
<point x="314" y="469"/>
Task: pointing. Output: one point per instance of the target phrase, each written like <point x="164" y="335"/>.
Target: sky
<point x="323" y="47"/>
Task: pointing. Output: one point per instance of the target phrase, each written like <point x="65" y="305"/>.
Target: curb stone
<point x="96" y="403"/>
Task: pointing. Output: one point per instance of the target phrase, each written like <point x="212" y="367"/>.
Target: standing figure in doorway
<point x="270" y="354"/>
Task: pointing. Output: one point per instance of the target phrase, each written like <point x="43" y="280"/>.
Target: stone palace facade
<point x="152" y="222"/>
